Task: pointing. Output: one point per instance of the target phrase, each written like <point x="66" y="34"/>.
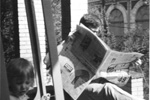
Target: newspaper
<point x="84" y="55"/>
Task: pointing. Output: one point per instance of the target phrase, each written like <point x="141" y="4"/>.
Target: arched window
<point x="116" y="25"/>
<point x="142" y="17"/>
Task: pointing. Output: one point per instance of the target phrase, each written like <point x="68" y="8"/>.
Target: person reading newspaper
<point x="99" y="88"/>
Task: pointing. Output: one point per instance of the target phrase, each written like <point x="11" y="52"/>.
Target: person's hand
<point x="47" y="61"/>
<point x="46" y="96"/>
<point x="119" y="78"/>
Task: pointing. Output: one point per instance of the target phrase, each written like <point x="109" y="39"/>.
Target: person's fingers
<point x="46" y="61"/>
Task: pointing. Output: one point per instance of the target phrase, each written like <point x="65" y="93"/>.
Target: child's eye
<point x="19" y="82"/>
<point x="27" y="82"/>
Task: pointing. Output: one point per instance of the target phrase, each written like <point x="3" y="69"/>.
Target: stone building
<point x="123" y="15"/>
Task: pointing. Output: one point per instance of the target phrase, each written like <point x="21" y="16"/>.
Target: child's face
<point x="20" y="87"/>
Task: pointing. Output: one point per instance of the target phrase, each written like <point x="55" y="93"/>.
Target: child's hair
<point x="90" y="21"/>
<point x="21" y="69"/>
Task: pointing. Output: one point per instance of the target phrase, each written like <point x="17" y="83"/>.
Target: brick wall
<point x="25" y="48"/>
<point x="137" y="87"/>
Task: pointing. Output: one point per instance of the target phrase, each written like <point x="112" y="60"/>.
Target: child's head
<point x="20" y="76"/>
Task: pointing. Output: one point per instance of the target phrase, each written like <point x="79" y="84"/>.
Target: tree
<point x="56" y="10"/>
<point x="9" y="29"/>
<point x="136" y="40"/>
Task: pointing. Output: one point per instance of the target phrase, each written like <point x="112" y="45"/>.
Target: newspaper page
<point x="84" y="55"/>
<point x="117" y="66"/>
<point x="78" y="60"/>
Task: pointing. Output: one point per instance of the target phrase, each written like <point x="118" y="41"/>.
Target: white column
<point x="78" y="9"/>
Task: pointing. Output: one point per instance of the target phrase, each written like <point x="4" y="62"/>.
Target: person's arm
<point x="120" y="78"/>
<point x="47" y="59"/>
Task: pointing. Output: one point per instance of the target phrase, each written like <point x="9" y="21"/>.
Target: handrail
<point x="52" y="49"/>
<point x="32" y="25"/>
<point x="49" y="30"/>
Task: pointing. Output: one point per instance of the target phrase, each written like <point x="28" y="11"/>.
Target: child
<point x="20" y="76"/>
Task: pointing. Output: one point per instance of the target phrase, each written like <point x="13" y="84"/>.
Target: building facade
<point x="123" y="15"/>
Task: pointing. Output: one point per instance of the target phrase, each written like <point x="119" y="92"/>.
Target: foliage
<point x="56" y="10"/>
<point x="7" y="29"/>
<point x="56" y="13"/>
<point x="136" y="40"/>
